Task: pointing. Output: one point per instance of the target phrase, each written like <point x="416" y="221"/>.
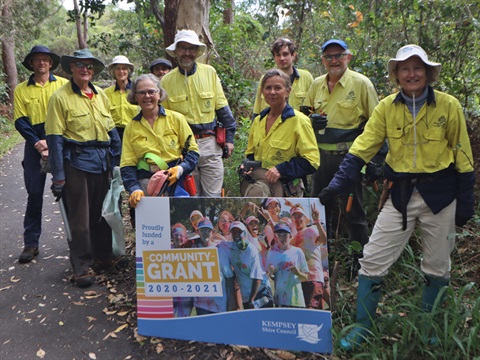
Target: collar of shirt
<point x="77" y="90"/>
<point x="189" y="73"/>
<point x="430" y="97"/>
<point x="295" y="75"/>
<point x="128" y="87"/>
<point x="287" y="112"/>
<point x="31" y="81"/>
<point x="161" y="111"/>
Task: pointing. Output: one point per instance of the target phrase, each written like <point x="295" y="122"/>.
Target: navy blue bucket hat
<point x="39" y="49"/>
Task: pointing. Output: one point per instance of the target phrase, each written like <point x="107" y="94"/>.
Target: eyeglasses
<point x="81" y="65"/>
<point x="192" y="49"/>
<point x="334" y="56"/>
<point x="150" y="92"/>
<point x="223" y="221"/>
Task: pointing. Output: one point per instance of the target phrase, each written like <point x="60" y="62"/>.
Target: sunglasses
<point x="81" y="65"/>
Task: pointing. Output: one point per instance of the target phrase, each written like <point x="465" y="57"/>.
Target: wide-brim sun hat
<point x="407" y="52"/>
<point x="188" y="36"/>
<point x="39" y="49"/>
<point x="160" y="61"/>
<point x="120" y="59"/>
<point x="79" y="55"/>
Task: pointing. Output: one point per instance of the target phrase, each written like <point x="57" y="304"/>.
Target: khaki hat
<point x="188" y="36"/>
<point x="120" y="59"/>
<point x="407" y="52"/>
<point x="82" y="54"/>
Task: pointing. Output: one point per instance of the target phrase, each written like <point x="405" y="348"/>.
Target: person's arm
<point x="231" y="298"/>
<point x="225" y="116"/>
<point x="322" y="236"/>
<point x="253" y="292"/>
<point x="303" y="276"/>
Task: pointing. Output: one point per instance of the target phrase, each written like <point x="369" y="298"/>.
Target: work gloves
<point x="135" y="198"/>
<point x="373" y="172"/>
<point x="319" y="121"/>
<point x="327" y="194"/>
<point x="175" y="173"/>
<point x="57" y="191"/>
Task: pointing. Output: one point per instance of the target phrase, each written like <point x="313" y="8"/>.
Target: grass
<point x="9" y="135"/>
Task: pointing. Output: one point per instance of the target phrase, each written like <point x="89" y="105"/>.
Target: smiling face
<point x="205" y="233"/>
<point x="412" y="76"/>
<point x="299" y="220"/>
<point x="335" y="59"/>
<point x="147" y="101"/>
<point x="275" y="91"/>
<point x="41" y="64"/>
<point x="224" y="224"/>
<point x="121" y="72"/>
<point x="80" y="72"/>
<point x="253" y="228"/>
<point x="160" y="70"/>
<point x="186" y="54"/>
<point x="238" y="236"/>
<point x="284" y="239"/>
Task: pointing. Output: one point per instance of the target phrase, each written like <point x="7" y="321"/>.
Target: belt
<point x="342" y="146"/>
<point x="203" y="135"/>
<point x="334" y="152"/>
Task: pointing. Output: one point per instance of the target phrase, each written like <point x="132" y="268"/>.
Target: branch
<point x="157" y="12"/>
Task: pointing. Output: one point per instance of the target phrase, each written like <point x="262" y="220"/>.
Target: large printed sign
<point x="247" y="271"/>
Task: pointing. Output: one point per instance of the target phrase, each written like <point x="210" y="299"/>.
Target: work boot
<point x="368" y="295"/>
<point x="85" y="280"/>
<point x="28" y="254"/>
<point x="101" y="265"/>
<point x="431" y="289"/>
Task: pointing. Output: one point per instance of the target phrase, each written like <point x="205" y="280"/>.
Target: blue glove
<point x="465" y="198"/>
<point x="57" y="191"/>
<point x="373" y="172"/>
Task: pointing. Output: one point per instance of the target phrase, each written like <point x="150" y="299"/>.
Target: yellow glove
<point x="135" y="198"/>
<point x="175" y="173"/>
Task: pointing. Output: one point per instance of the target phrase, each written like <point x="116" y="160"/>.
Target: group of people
<point x="265" y="261"/>
<point x="330" y="127"/>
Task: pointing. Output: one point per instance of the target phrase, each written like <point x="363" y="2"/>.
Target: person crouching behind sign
<point x="282" y="141"/>
<point x="155" y="140"/>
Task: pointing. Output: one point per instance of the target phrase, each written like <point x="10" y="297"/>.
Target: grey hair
<point x="276" y="72"/>
<point x="131" y="94"/>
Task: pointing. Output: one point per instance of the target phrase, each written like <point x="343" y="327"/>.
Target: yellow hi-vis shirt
<point x="287" y="138"/>
<point x="122" y="111"/>
<point x="300" y="88"/>
<point x="78" y="118"/>
<point x="166" y="139"/>
<point x="31" y="99"/>
<point x="196" y="96"/>
<point x="350" y="104"/>
<point x="441" y="136"/>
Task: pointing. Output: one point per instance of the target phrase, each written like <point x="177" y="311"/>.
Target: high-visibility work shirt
<point x="441" y="135"/>
<point x="77" y="129"/>
<point x="30" y="104"/>
<point x="300" y="85"/>
<point x="122" y="111"/>
<point x="166" y="139"/>
<point x="196" y="96"/>
<point x="289" y="140"/>
<point x="347" y="107"/>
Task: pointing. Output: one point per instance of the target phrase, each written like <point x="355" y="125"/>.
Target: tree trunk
<point x="188" y="14"/>
<point x="228" y="12"/>
<point x="8" y="50"/>
<point x="82" y="42"/>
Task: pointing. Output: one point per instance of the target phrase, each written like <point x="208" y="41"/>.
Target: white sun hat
<point x="188" y="36"/>
<point x="407" y="52"/>
<point x="120" y="59"/>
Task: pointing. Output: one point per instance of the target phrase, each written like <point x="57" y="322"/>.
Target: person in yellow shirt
<point x="30" y="108"/>
<point x="284" y="52"/>
<point x="83" y="144"/>
<point x="194" y="90"/>
<point x="121" y="69"/>
<point x="342" y="101"/>
<point x="155" y="140"/>
<point x="430" y="173"/>
<point x="282" y="139"/>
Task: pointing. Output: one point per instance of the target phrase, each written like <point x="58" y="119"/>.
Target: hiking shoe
<point x="28" y="254"/>
<point x="84" y="281"/>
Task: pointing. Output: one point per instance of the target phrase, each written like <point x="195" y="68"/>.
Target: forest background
<point x="239" y="35"/>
